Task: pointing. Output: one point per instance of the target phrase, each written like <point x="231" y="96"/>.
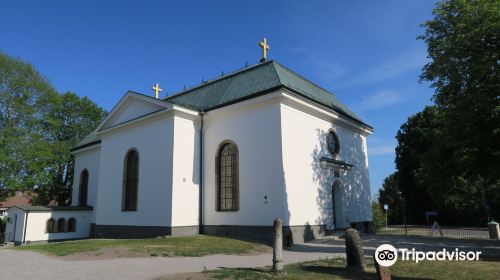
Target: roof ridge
<point x="303" y="78"/>
<point x="276" y="71"/>
<point x="232" y="74"/>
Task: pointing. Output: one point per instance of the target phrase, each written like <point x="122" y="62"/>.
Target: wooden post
<point x="278" y="246"/>
<point x="383" y="272"/>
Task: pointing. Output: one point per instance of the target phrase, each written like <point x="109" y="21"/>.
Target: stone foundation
<point x="118" y="231"/>
<point x="291" y="234"/>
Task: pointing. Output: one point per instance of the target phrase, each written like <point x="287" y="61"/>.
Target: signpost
<point x="386" y="208"/>
<point x="430" y="213"/>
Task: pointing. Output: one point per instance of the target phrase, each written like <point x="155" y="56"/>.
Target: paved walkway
<point x="28" y="265"/>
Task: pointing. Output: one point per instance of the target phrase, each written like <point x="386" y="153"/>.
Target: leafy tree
<point x="69" y="121"/>
<point x="464" y="50"/>
<point x="22" y="89"/>
<point x="38" y="129"/>
<point x="390" y="194"/>
<point x="447" y="157"/>
<point x="421" y="165"/>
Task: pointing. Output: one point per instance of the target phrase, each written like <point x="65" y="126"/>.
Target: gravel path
<point x="29" y="265"/>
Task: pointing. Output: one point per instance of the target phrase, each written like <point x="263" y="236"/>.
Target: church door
<point x="334" y="204"/>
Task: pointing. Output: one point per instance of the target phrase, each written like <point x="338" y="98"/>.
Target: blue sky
<point x="365" y="52"/>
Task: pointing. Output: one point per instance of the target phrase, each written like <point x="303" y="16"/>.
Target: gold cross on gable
<point x="263" y="44"/>
<point x="157" y="90"/>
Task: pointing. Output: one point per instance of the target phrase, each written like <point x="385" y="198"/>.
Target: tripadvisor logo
<point x="387" y="255"/>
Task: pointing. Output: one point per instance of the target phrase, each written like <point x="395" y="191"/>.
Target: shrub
<point x="378" y="215"/>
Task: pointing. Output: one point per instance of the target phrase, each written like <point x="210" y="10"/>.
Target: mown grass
<point x="335" y="269"/>
<point x="192" y="246"/>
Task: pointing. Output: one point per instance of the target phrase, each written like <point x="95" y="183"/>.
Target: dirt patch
<point x="256" y="252"/>
<point x="186" y="276"/>
<point x="105" y="254"/>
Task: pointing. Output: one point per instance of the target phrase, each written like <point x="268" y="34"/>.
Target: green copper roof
<point x="247" y="83"/>
<point x="253" y="81"/>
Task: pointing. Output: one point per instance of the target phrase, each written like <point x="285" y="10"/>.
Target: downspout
<point x="25" y="226"/>
<point x="200" y="200"/>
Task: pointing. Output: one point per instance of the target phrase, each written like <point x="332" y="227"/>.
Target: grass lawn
<point x="335" y="269"/>
<point x="192" y="246"/>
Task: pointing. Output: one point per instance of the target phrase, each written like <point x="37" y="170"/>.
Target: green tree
<point x="38" y="128"/>
<point x="23" y="92"/>
<point x="464" y="50"/>
<point x="390" y="194"/>
<point x="422" y="166"/>
<point x="69" y="121"/>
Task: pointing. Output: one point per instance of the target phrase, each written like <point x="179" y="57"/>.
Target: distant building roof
<point x="20" y="198"/>
<point x="52" y="208"/>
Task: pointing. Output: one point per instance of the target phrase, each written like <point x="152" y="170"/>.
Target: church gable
<point x="132" y="106"/>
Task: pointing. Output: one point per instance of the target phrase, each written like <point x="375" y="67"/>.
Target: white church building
<point x="226" y="157"/>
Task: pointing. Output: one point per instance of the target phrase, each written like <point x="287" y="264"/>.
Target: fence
<point x="436" y="231"/>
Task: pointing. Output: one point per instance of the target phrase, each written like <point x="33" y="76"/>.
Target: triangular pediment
<point x="132" y="106"/>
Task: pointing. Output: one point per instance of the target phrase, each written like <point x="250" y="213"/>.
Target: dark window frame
<point x="83" y="190"/>
<point x="63" y="225"/>
<point x="71" y="225"/>
<point x="53" y="225"/>
<point x="130" y="191"/>
<point x="221" y="177"/>
<point x="336" y="150"/>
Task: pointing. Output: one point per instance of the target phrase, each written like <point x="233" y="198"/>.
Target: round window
<point x="333" y="143"/>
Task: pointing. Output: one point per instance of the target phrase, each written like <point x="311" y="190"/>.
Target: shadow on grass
<point x="347" y="274"/>
<point x="334" y="269"/>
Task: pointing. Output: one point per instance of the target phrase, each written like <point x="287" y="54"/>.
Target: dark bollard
<point x="354" y="251"/>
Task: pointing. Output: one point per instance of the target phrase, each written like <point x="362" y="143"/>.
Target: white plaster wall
<point x="14" y="229"/>
<point x="131" y="109"/>
<point x="308" y="185"/>
<point x="36" y="225"/>
<point x="88" y="159"/>
<point x="153" y="139"/>
<point x="255" y="128"/>
<point x="185" y="184"/>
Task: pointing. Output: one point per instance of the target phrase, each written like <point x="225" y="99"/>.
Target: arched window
<point x="84" y="188"/>
<point x="130" y="181"/>
<point x="227" y="177"/>
<point x="50" y="226"/>
<point x="61" y="223"/>
<point x="71" y="225"/>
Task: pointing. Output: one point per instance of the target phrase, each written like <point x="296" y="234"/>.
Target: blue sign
<point x="431" y="213"/>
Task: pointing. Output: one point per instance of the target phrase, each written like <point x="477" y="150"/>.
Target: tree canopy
<point x="38" y="128"/>
<point x="447" y="158"/>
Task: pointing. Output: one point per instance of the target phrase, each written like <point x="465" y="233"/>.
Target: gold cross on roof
<point x="263" y="44"/>
<point x="157" y="90"/>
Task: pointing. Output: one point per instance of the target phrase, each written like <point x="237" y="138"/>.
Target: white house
<point x="226" y="157"/>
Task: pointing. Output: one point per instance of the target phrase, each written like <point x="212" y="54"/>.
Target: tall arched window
<point x="227" y="177"/>
<point x="71" y="225"/>
<point x="84" y="188"/>
<point x="130" y="181"/>
<point x="61" y="223"/>
<point x="50" y="225"/>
